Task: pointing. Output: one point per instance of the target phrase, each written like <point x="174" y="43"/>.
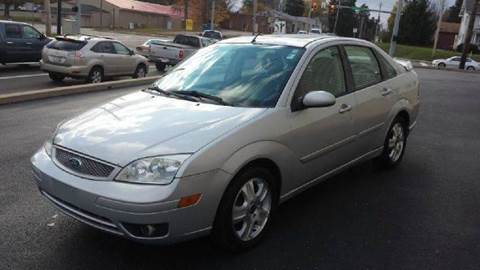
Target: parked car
<point x="315" y="31"/>
<point x="90" y="58"/>
<point x="20" y="42"/>
<point x="219" y="141"/>
<point x="165" y="54"/>
<point x="454" y="62"/>
<point x="303" y="32"/>
<point x="212" y="34"/>
<point x="144" y="49"/>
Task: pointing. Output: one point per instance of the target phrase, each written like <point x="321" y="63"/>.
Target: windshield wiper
<point x="171" y="93"/>
<point x="201" y="95"/>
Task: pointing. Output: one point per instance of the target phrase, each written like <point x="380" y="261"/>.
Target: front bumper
<point x="72" y="71"/>
<point x="115" y="207"/>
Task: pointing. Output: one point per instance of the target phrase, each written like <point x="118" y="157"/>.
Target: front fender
<point x="282" y="156"/>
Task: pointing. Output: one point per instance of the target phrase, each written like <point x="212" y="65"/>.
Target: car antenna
<point x="255" y="37"/>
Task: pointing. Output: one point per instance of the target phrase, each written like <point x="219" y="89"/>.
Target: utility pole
<point x="377" y="26"/>
<point x="212" y="20"/>
<point x="185" y="11"/>
<point x="393" y="41"/>
<point x="254" y="17"/>
<point x="59" y="17"/>
<point x="439" y="23"/>
<point x="78" y="17"/>
<point x="336" y="17"/>
<point x="48" y="17"/>
<point x="468" y="36"/>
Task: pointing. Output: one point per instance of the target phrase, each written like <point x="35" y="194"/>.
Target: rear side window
<point x="66" y="45"/>
<point x="189" y="41"/>
<point x="13" y="30"/>
<point x="364" y="64"/>
<point x="104" y="47"/>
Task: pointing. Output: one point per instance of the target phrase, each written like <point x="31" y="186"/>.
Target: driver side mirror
<point x="132" y="52"/>
<point x="315" y="99"/>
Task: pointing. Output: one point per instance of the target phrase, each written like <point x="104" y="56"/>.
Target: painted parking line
<point x="24" y="76"/>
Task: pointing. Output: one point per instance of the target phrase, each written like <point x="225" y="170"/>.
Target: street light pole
<point x="336" y="17"/>
<point x="59" y="17"/>
<point x="468" y="36"/>
<point x="439" y="23"/>
<point x="393" y="41"/>
<point x="254" y="16"/>
<point x="48" y="17"/>
<point x="78" y="17"/>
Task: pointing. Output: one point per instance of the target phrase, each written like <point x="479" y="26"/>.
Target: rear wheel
<point x="442" y="66"/>
<point x="160" y="66"/>
<point x="470" y="68"/>
<point x="246" y="210"/>
<point x="95" y="75"/>
<point x="140" y="72"/>
<point x="56" y="77"/>
<point x="395" y="143"/>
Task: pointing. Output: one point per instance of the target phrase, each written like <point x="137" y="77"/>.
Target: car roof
<point x="294" y="40"/>
<point x="82" y="38"/>
<point x="15" y="22"/>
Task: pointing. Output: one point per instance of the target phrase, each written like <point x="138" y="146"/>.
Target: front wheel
<point x="395" y="143"/>
<point x="442" y="66"/>
<point x="140" y="72"/>
<point x="470" y="68"/>
<point x="56" y="77"/>
<point x="160" y="66"/>
<point x="246" y="210"/>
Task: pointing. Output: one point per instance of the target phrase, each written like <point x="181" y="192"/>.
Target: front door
<point x="16" y="48"/>
<point x="321" y="137"/>
<point x="125" y="61"/>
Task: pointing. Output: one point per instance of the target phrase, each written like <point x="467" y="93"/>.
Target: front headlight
<point x="155" y="170"/>
<point x="48" y="146"/>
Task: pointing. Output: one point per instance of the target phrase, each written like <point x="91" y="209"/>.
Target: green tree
<point x="345" y="18"/>
<point x="295" y="7"/>
<point x="454" y="12"/>
<point x="418" y="23"/>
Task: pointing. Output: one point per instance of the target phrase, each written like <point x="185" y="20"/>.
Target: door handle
<point x="9" y="42"/>
<point x="386" y="91"/>
<point x="28" y="43"/>
<point x="344" y="108"/>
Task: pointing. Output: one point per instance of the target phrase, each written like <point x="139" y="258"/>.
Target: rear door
<point x="105" y="52"/>
<point x="15" y="46"/>
<point x="374" y="98"/>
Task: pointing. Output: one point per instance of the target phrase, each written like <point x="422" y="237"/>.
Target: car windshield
<point x="246" y="75"/>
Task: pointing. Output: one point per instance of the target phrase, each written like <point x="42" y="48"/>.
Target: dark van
<point x="20" y="42"/>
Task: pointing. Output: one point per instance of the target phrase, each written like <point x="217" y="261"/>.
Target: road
<point x="422" y="215"/>
<point x="18" y="78"/>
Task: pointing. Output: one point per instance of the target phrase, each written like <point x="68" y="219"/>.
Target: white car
<point x="454" y="62"/>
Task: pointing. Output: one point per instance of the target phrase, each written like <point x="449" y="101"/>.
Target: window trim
<point x="351" y="70"/>
<point x="294" y="101"/>
<point x="382" y="66"/>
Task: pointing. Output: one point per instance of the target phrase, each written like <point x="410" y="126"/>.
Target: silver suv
<point x="224" y="137"/>
<point x="91" y="58"/>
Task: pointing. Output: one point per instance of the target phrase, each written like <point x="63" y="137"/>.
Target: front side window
<point x="364" y="65"/>
<point x="324" y="72"/>
<point x="30" y="33"/>
<point x="246" y="75"/>
<point x="13" y="31"/>
<point x="390" y="71"/>
<point x="120" y="49"/>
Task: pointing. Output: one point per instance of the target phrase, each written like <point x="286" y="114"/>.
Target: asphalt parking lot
<point x="422" y="215"/>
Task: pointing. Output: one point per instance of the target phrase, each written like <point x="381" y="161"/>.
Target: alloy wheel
<point x="396" y="142"/>
<point x="251" y="209"/>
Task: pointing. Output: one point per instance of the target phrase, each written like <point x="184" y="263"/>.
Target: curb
<point x="76" y="89"/>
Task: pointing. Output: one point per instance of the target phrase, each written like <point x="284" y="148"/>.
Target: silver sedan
<point x="216" y="144"/>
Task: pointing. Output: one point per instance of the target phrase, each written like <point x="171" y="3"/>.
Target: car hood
<point x="142" y="124"/>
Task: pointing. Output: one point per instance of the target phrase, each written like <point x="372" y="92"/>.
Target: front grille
<point x="82" y="165"/>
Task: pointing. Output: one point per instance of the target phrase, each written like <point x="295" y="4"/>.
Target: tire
<point x="140" y="72"/>
<point x="56" y="77"/>
<point x="470" y="68"/>
<point x="95" y="75"/>
<point x="395" y="144"/>
<point x="160" y="66"/>
<point x="254" y="217"/>
<point x="441" y="66"/>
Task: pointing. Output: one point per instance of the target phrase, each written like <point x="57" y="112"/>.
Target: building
<point x="124" y="14"/>
<point x="446" y="36"/>
<point x="465" y="13"/>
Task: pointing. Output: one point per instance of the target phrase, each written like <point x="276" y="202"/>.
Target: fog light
<point x="148" y="230"/>
<point x="189" y="200"/>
